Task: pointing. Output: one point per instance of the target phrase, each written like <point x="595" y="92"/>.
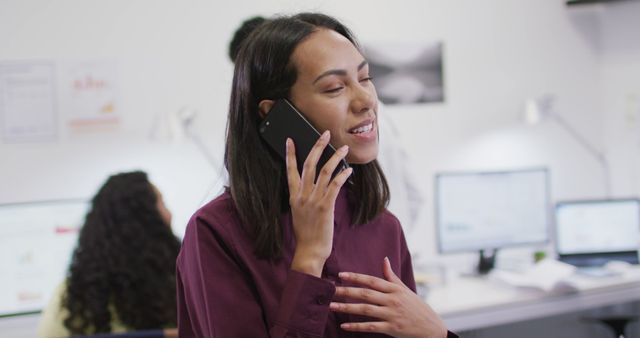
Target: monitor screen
<point x="585" y="227"/>
<point x="491" y="210"/>
<point x="36" y="243"/>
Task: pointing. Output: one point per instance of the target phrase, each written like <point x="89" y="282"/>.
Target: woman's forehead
<point x="323" y="50"/>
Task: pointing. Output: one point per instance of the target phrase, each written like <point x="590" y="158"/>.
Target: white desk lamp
<point x="543" y="108"/>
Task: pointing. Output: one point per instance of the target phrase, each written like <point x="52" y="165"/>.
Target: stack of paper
<point x="546" y="275"/>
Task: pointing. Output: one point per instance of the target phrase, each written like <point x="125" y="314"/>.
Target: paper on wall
<point x="27" y="102"/>
<point x="89" y="94"/>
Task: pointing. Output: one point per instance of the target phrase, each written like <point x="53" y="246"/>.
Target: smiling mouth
<point x="363" y="129"/>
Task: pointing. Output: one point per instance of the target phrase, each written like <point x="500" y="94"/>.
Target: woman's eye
<point x="334" y="90"/>
<point x="369" y="78"/>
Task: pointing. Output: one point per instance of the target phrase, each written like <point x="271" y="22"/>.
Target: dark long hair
<point x="124" y="261"/>
<point x="257" y="176"/>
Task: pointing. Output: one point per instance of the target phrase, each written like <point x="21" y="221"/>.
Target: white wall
<point x="497" y="54"/>
<point x="621" y="89"/>
<point x="171" y="54"/>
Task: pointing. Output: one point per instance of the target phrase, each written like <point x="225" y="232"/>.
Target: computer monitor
<point x="594" y="232"/>
<point x="486" y="211"/>
<point x="36" y="243"/>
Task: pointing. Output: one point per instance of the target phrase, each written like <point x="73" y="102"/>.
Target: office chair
<point x="131" y="334"/>
<point x="616" y="323"/>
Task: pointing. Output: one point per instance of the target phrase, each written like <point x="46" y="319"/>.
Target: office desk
<point x="470" y="303"/>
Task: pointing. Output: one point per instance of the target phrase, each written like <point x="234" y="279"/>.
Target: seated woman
<point x="122" y="274"/>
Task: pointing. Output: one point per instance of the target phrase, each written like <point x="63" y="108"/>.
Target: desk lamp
<point x="542" y="108"/>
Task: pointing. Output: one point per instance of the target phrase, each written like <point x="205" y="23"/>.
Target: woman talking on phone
<point x="282" y="253"/>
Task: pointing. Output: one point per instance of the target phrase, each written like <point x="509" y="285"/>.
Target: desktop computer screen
<point x="491" y="210"/>
<point x="598" y="230"/>
<point x="36" y="243"/>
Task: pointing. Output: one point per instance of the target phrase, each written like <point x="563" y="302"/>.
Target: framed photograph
<point x="407" y="73"/>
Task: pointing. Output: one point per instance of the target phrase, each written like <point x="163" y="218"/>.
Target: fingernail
<point x="387" y="259"/>
<point x="344" y="149"/>
<point x="343" y="274"/>
<point x="325" y="135"/>
<point x="288" y="142"/>
<point x="345" y="325"/>
<point x="334" y="306"/>
<point x="350" y="170"/>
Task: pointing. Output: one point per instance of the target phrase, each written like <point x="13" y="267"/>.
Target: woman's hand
<point x="400" y="311"/>
<point x="170" y="333"/>
<point x="312" y="205"/>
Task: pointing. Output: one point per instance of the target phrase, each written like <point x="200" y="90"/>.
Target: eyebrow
<point x="340" y="72"/>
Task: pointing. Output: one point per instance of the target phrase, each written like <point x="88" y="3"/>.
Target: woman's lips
<point x="364" y="131"/>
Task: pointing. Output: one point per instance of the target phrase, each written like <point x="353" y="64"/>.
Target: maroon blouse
<point x="225" y="291"/>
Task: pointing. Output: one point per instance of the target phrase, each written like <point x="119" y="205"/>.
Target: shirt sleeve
<point x="216" y="298"/>
<point x="51" y="323"/>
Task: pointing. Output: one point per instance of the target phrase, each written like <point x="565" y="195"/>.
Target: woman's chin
<point x="361" y="158"/>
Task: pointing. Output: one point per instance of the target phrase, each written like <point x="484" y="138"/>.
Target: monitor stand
<point x="487" y="261"/>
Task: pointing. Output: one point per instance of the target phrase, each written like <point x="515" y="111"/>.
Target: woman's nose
<point x="364" y="98"/>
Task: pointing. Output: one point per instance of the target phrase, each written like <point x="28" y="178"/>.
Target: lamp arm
<point x="597" y="154"/>
<point x="202" y="148"/>
<point x="213" y="161"/>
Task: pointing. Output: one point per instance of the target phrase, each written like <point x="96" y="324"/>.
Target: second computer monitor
<point x="594" y="232"/>
<point x="491" y="210"/>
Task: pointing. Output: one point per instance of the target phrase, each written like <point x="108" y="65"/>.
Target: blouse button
<point x="321" y="300"/>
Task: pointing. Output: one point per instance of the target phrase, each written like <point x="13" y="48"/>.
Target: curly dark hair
<point x="124" y="261"/>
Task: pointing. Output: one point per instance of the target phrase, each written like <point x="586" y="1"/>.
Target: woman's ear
<point x="264" y="106"/>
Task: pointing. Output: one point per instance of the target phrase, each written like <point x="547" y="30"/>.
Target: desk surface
<point x="468" y="303"/>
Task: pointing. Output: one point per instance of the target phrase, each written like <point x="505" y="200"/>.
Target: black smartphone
<point x="285" y="121"/>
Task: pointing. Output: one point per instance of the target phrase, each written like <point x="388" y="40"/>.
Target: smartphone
<point x="285" y="121"/>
